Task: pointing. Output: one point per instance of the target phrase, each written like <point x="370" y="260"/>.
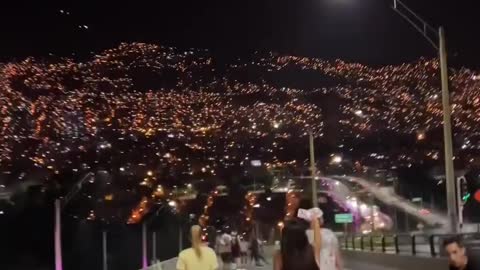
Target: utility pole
<point x="313" y="171"/>
<point x="447" y="135"/>
<point x="427" y="31"/>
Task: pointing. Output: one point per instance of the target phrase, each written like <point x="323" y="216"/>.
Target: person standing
<point x="244" y="251"/>
<point x="199" y="256"/>
<point x="296" y="253"/>
<point x="236" y="250"/>
<point x="225" y="249"/>
<point x="255" y="250"/>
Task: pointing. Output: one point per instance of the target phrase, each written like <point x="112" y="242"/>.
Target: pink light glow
<point x="58" y="237"/>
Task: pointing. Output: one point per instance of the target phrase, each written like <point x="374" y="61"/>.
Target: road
<point x="348" y="266"/>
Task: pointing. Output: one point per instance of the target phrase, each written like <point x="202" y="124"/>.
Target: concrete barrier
<point x="392" y="261"/>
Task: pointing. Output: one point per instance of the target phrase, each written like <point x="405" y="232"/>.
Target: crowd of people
<point x="237" y="252"/>
<point x="304" y="245"/>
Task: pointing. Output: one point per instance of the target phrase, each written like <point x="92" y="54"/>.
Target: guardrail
<point x="408" y="244"/>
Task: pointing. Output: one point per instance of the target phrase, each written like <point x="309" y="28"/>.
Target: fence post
<point x="346" y="242"/>
<point x="432" y="246"/>
<point x="144" y="246"/>
<point x="371" y="243"/>
<point x="414" y="250"/>
<point x="395" y="240"/>
<point x="104" y="250"/>
<point x="353" y="242"/>
<point x="384" y="248"/>
<point x="361" y="243"/>
<point x="154" y="246"/>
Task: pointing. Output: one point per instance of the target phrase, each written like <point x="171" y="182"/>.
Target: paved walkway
<point x="349" y="265"/>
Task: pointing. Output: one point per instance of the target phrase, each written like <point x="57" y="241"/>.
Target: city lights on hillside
<point x="175" y="135"/>
<point x="421" y="135"/>
<point x="256" y="163"/>
<point x="336" y="159"/>
<point x="172" y="203"/>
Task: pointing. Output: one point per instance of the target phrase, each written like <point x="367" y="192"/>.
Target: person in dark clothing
<point x="256" y="255"/>
<point x="458" y="256"/>
<point x="296" y="253"/>
<point x="236" y="249"/>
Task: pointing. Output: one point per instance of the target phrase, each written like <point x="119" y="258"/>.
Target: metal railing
<point x="408" y="244"/>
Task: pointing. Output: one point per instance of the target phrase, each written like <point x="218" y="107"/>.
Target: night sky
<point x="366" y="31"/>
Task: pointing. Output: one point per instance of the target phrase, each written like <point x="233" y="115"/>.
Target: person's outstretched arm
<point x="277" y="261"/>
<point x="317" y="238"/>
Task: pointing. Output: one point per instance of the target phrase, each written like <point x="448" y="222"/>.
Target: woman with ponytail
<point x="199" y="256"/>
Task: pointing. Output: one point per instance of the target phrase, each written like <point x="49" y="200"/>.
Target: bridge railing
<point x="407" y="244"/>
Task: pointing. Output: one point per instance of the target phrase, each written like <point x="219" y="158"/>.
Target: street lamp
<point x="425" y="29"/>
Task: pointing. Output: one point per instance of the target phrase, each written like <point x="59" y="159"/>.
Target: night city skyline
<point x="164" y="115"/>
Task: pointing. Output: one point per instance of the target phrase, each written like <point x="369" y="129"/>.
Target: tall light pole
<point x="426" y="30"/>
<point x="447" y="133"/>
<point x="313" y="170"/>
<point x="59" y="205"/>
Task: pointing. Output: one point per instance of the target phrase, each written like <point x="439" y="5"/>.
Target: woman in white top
<point x="244" y="251"/>
<point x="330" y="258"/>
<point x="199" y="256"/>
